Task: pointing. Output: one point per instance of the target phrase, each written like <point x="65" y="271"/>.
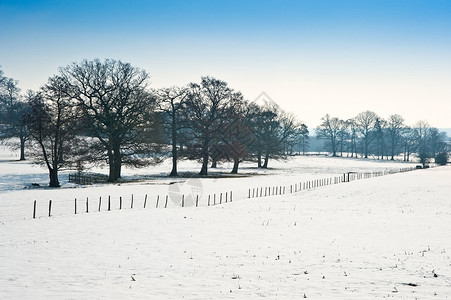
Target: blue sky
<point x="311" y="56"/>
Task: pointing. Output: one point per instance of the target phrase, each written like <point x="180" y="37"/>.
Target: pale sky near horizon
<point x="313" y="57"/>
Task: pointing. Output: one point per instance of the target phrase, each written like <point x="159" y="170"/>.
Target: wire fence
<point x="265" y="191"/>
<point x="194" y="198"/>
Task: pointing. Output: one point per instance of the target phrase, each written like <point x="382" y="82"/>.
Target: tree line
<point x="369" y="134"/>
<point x="97" y="112"/>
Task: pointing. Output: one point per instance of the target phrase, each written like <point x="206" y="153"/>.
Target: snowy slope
<point x="17" y="193"/>
<point x="375" y="238"/>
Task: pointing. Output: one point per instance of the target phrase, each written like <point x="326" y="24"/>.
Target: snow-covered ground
<point x="18" y="181"/>
<point x="382" y="237"/>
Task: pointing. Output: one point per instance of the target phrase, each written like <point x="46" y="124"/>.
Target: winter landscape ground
<point x="381" y="237"/>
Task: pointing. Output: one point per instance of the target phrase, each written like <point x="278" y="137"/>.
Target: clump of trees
<point x="13" y="109"/>
<point x="369" y="134"/>
<point x="211" y="122"/>
<point x="104" y="112"/>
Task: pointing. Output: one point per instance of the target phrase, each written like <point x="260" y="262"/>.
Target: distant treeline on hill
<point x="368" y="134"/>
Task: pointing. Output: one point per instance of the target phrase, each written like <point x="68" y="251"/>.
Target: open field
<point x="384" y="237"/>
<point x="18" y="182"/>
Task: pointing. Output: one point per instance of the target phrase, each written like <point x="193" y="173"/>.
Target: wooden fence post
<point x="209" y="198"/>
<point x="120" y="202"/>
<point x="131" y="205"/>
<point x="145" y="200"/>
<point x="183" y="200"/>
<point x="50" y="208"/>
<point x="109" y="203"/>
<point x="166" y="202"/>
<point x="87" y="205"/>
<point x="100" y="202"/>
<point x="220" y="198"/>
<point x="197" y="200"/>
<point x="158" y="200"/>
<point x="75" y="205"/>
<point x="230" y="196"/>
<point x="34" y="210"/>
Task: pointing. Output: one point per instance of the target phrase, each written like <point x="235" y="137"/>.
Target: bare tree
<point x="235" y="138"/>
<point x="269" y="125"/>
<point x="365" y="122"/>
<point x="207" y="111"/>
<point x="289" y="128"/>
<point x="171" y="102"/>
<point x="395" y="129"/>
<point x="422" y="131"/>
<point x="118" y="109"/>
<point x="409" y="142"/>
<point x="343" y="135"/>
<point x="352" y="136"/>
<point x="255" y="121"/>
<point x="329" y="129"/>
<point x="53" y="124"/>
<point x="275" y="131"/>
<point x="12" y="115"/>
<point x="303" y="138"/>
<point x="380" y="133"/>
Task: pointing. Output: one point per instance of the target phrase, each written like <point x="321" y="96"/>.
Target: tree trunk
<point x="205" y="156"/>
<point x="114" y="162"/>
<point x="265" y="164"/>
<point x="118" y="167"/>
<point x="334" y="147"/>
<point x="53" y="174"/>
<point x="259" y="159"/>
<point x="174" y="166"/>
<point x="214" y="163"/>
<point x="22" y="149"/>
<point x="117" y="162"/>
<point x="174" y="147"/>
<point x="204" y="169"/>
<point x="112" y="174"/>
<point x="236" y="162"/>
<point x="392" y="150"/>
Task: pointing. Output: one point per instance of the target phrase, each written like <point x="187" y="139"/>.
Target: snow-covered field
<point x="382" y="237"/>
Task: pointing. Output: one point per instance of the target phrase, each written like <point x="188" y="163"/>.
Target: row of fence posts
<point x="228" y="197"/>
<point x="311" y="184"/>
<point x="256" y="192"/>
